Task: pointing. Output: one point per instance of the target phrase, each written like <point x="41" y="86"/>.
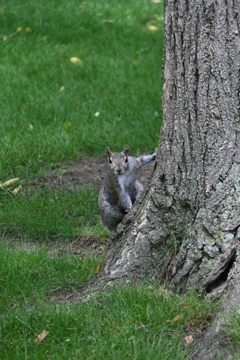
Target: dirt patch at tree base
<point x="84" y="172"/>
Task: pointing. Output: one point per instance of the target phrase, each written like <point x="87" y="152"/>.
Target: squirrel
<point x="120" y="188"/>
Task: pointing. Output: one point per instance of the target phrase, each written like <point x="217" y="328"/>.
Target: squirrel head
<point x="118" y="161"/>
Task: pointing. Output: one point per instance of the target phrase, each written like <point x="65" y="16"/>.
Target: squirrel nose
<point x="119" y="171"/>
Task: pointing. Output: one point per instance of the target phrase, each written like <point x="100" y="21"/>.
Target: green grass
<point x="49" y="105"/>
<point x="120" y="78"/>
<point x="231" y="328"/>
<point x="132" y="322"/>
<point x="54" y="111"/>
<point x="28" y="275"/>
<point x="51" y="214"/>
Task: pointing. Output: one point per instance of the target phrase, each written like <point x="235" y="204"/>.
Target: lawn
<point x="54" y="110"/>
<point x="76" y="77"/>
<point x="128" y="322"/>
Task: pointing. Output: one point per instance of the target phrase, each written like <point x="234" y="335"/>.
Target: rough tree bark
<point x="185" y="228"/>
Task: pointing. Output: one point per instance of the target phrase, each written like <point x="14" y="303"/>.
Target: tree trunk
<point x="185" y="227"/>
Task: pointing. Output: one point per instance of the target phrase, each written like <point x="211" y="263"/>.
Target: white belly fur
<point x="125" y="180"/>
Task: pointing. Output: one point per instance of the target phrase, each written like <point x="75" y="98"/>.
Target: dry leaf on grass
<point x="188" y="339"/>
<point x="9" y="182"/>
<point x="41" y="336"/>
<point x="98" y="268"/>
<point x="152" y="28"/>
<point x="16" y="190"/>
<point x="83" y="5"/>
<point x="178" y="317"/>
<point x="67" y="125"/>
<point x="76" y="61"/>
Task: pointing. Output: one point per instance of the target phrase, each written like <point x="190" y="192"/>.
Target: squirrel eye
<point x="110" y="161"/>
<point x="126" y="159"/>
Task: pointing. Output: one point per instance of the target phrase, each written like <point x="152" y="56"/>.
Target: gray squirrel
<point x="120" y="188"/>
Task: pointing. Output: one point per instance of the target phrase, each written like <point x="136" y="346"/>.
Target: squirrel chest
<point x="124" y="183"/>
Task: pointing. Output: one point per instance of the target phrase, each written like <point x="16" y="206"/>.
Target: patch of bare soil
<point x="83" y="172"/>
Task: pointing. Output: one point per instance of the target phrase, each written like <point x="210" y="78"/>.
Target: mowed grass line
<point x="54" y="110"/>
<point x="132" y="322"/>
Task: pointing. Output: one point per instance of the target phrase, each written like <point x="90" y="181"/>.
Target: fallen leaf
<point x="16" y="190"/>
<point x="97" y="114"/>
<point x="98" y="268"/>
<point x="30" y="126"/>
<point x="156" y="1"/>
<point x="83" y="5"/>
<point x="9" y="182"/>
<point x="67" y="125"/>
<point x="41" y="336"/>
<point x="178" y="317"/>
<point x="62" y="88"/>
<point x="188" y="339"/>
<point x="5" y="38"/>
<point x="76" y="60"/>
<point x="19" y="29"/>
<point x="152" y="28"/>
<point x="28" y="30"/>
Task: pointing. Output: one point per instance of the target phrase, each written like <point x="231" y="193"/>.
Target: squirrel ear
<point x="126" y="150"/>
<point x="108" y="152"/>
